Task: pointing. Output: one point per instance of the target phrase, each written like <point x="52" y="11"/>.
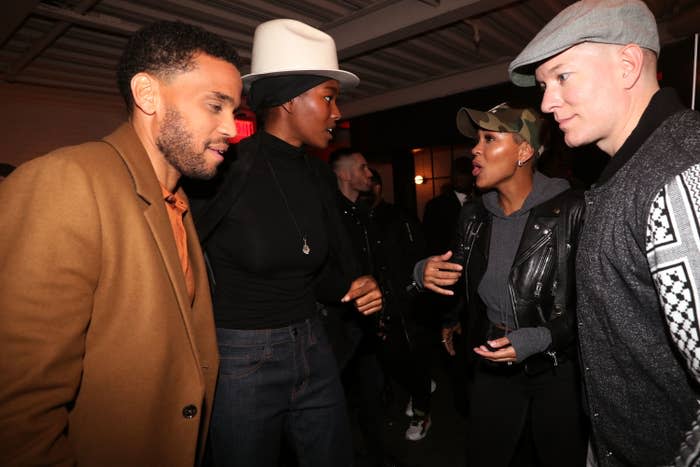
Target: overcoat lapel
<point x="146" y="185"/>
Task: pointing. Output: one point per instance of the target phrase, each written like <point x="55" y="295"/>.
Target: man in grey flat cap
<point x="638" y="271"/>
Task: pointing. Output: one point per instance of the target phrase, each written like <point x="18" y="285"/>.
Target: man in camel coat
<point x="109" y="351"/>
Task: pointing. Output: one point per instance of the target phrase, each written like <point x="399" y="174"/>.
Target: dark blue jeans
<point x="274" y="383"/>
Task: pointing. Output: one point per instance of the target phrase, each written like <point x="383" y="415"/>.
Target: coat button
<point x="189" y="411"/>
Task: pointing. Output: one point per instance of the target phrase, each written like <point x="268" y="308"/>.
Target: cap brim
<point x="345" y="78"/>
<point x="465" y="124"/>
<point x="467" y="118"/>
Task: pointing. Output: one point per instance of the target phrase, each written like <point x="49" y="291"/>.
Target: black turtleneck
<point x="263" y="279"/>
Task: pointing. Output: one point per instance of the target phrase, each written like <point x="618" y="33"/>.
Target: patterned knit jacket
<point x="640" y="397"/>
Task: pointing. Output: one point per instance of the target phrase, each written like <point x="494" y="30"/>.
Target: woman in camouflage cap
<point x="515" y="247"/>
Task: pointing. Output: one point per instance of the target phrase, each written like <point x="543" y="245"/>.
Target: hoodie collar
<point x="543" y="189"/>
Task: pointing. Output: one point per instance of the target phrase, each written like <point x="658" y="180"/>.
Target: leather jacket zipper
<point x="472" y="233"/>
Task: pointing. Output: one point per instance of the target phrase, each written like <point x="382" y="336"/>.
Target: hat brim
<point x="345" y="78"/>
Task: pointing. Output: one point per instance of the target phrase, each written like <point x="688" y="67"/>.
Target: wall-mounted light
<point x="419" y="179"/>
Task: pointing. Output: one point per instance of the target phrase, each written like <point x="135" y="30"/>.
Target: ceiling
<point x="404" y="51"/>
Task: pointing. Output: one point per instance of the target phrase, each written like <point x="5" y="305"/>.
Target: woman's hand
<point x="497" y="350"/>
<point x="447" y="334"/>
<point x="439" y="273"/>
<point x="365" y="293"/>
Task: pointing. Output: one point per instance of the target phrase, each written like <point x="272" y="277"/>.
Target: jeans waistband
<point x="289" y="333"/>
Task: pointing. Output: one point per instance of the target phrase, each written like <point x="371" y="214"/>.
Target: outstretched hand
<point x="439" y="273"/>
<point x="497" y="350"/>
<point x="365" y="293"/>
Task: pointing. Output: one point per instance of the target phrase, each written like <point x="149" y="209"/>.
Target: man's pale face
<point x="360" y="175"/>
<point x="198" y="116"/>
<point x="582" y="90"/>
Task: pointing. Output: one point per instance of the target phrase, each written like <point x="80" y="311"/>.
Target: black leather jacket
<point x="542" y="292"/>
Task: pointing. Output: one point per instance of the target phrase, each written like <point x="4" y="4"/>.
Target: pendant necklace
<point x="306" y="249"/>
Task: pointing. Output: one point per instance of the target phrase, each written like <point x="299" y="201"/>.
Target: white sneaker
<point x="418" y="428"/>
<point x="409" y="407"/>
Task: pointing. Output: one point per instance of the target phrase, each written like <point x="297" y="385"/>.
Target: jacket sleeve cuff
<point x="529" y="341"/>
<point x="418" y="270"/>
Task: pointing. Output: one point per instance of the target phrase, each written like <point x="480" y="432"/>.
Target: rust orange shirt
<point x="177" y="207"/>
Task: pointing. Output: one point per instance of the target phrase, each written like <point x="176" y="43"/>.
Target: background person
<point x="442" y="212"/>
<point x="597" y="62"/>
<point x="439" y="224"/>
<point x="405" y="347"/>
<point x="276" y="247"/>
<point x="515" y="246"/>
<point x="363" y="376"/>
<point x="108" y="344"/>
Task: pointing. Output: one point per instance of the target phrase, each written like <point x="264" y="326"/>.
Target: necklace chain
<point x="306" y="249"/>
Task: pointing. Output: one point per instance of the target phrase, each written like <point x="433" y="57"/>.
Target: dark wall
<point x="676" y="69"/>
<point x="389" y="136"/>
<point x="429" y="123"/>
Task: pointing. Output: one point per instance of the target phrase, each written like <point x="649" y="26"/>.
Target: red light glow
<point x="244" y="128"/>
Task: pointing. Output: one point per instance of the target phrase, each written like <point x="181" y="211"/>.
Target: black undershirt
<point x="263" y="279"/>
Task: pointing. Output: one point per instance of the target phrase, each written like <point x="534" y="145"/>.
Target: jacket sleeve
<point x="49" y="264"/>
<point x="563" y="326"/>
<point x="454" y="305"/>
<point x="341" y="267"/>
<point x="331" y="283"/>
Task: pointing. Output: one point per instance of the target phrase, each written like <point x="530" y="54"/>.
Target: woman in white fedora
<point x="276" y="247"/>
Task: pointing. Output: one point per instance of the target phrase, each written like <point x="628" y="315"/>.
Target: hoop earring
<point x="520" y="163"/>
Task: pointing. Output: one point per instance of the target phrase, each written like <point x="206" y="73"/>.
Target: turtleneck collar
<point x="279" y="149"/>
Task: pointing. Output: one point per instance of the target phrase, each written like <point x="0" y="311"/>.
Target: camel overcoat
<point x="104" y="360"/>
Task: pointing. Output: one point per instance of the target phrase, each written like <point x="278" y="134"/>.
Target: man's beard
<point x="177" y="145"/>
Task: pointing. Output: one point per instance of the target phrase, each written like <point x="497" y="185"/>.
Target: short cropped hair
<point x="164" y="48"/>
<point x="340" y="154"/>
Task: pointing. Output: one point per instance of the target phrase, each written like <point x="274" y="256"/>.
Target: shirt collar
<point x="662" y="105"/>
<point x="462" y="197"/>
<point x="174" y="199"/>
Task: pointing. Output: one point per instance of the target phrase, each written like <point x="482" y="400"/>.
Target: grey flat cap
<point x="602" y="21"/>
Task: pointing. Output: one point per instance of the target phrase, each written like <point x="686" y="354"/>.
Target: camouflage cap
<point x="502" y="118"/>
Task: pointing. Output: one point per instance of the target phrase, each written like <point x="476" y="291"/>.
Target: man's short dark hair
<point x="340" y="154"/>
<point x="167" y="47"/>
<point x="6" y="169"/>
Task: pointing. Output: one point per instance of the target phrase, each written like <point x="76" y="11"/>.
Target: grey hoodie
<point x="506" y="232"/>
<point x="505" y="239"/>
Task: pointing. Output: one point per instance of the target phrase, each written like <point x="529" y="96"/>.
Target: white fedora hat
<point x="290" y="47"/>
